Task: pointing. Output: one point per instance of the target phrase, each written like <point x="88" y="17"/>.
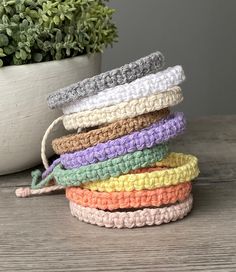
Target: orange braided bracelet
<point x="134" y="199"/>
<point x="76" y="142"/>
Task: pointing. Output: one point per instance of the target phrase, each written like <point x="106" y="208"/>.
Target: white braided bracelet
<point x="145" y="86"/>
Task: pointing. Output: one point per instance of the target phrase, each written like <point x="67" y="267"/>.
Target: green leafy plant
<point x="41" y="30"/>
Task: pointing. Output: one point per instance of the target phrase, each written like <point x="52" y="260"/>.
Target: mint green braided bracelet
<point x="101" y="170"/>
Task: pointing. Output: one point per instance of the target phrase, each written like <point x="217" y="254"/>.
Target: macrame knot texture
<point x="115" y="165"/>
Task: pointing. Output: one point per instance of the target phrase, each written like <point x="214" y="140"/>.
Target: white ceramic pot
<point x="24" y="114"/>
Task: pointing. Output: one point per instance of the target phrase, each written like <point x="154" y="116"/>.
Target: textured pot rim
<point x="12" y="68"/>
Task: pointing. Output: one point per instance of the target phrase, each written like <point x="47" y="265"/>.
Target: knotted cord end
<point x="23" y="192"/>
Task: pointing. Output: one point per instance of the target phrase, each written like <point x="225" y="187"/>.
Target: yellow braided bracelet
<point x="182" y="168"/>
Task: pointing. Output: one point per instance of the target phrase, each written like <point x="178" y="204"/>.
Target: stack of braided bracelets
<point x="116" y="168"/>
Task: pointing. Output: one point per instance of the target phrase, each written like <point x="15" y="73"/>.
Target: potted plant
<point x="44" y="45"/>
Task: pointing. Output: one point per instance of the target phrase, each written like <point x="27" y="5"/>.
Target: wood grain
<point x="39" y="234"/>
<point x="213" y="141"/>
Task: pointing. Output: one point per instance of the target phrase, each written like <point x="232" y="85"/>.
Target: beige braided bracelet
<point x="138" y="218"/>
<point x="83" y="140"/>
<point x="123" y="110"/>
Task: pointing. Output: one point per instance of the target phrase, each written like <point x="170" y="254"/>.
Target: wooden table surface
<point x="39" y="234"/>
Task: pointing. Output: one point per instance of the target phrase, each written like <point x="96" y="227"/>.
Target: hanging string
<point x="44" y="141"/>
<point x="27" y="191"/>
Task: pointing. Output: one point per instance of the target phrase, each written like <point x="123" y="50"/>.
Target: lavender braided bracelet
<point x="157" y="133"/>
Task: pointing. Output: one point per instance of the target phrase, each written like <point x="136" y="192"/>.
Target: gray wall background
<point x="200" y="35"/>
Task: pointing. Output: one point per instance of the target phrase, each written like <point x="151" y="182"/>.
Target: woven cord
<point x="27" y="191"/>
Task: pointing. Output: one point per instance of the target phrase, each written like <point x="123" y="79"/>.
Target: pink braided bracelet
<point x="138" y="218"/>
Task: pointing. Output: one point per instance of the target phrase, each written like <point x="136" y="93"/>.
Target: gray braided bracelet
<point x="91" y="86"/>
